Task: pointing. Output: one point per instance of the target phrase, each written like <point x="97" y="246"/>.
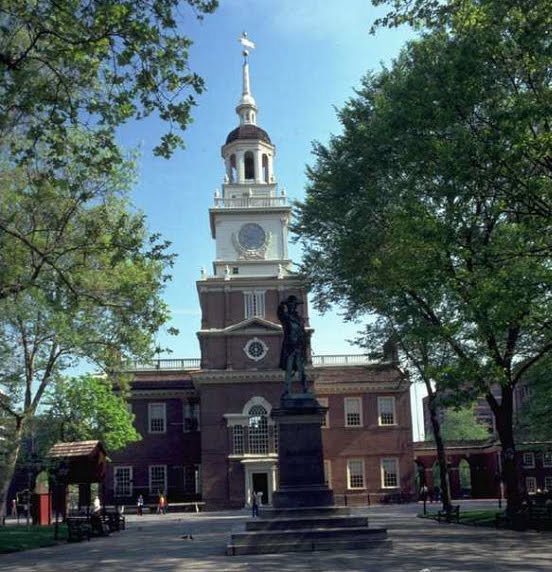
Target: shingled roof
<point x="76" y="449"/>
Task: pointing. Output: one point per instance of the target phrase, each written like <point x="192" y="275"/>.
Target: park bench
<point x="196" y="506"/>
<point x="78" y="528"/>
<point x="115" y="521"/>
<point x="451" y="515"/>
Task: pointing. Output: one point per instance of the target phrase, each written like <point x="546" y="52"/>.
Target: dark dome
<point x="248" y="132"/>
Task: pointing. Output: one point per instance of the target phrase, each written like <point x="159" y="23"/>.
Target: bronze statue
<point x="294" y="346"/>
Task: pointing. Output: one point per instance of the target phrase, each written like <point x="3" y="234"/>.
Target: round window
<point x="255" y="349"/>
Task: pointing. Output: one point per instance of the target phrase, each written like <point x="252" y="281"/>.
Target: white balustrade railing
<point x="195" y="363"/>
<point x="247" y="202"/>
<point x="341" y="359"/>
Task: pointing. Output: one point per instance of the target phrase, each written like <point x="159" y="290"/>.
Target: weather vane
<point x="246" y="43"/>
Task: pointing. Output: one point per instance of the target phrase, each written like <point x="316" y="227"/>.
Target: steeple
<point x="246" y="108"/>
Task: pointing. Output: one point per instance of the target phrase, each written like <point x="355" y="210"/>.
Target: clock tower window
<point x="249" y="165"/>
<point x="254" y="304"/>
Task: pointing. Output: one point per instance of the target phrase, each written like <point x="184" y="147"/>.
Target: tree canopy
<point x="432" y="207"/>
<point x="85" y="407"/>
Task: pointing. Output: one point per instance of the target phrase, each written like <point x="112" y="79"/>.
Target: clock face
<point x="251" y="236"/>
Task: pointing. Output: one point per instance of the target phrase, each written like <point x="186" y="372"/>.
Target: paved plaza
<point x="155" y="543"/>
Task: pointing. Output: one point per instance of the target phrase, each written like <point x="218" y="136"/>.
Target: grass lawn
<point x="15" y="538"/>
<point x="471" y="517"/>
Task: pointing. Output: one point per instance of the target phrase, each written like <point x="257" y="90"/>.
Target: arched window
<point x="258" y="430"/>
<point x="232" y="174"/>
<point x="249" y="165"/>
<point x="265" y="168"/>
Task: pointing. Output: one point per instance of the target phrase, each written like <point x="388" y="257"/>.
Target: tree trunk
<point x="441" y="455"/>
<point x="504" y="417"/>
<point x="7" y="471"/>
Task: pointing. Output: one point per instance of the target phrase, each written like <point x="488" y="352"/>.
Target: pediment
<point x="254" y="325"/>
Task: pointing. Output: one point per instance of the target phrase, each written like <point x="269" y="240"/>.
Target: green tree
<point x="71" y="72"/>
<point x="533" y="421"/>
<point x="462" y="425"/>
<point x="105" y="309"/>
<point x="86" y="407"/>
<point x="432" y="207"/>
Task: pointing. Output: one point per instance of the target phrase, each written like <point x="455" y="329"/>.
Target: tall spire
<point x="246" y="108"/>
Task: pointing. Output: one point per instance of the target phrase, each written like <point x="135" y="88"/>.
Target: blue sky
<point x="310" y="55"/>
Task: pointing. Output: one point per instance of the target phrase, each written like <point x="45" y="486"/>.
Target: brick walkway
<point x="155" y="543"/>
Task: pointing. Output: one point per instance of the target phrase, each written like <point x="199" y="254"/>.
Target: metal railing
<point x="247" y="202"/>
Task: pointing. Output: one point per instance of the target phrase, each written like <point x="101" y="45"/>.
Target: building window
<point x="548" y="483"/>
<point x="191" y="416"/>
<point x="355" y="474"/>
<point x="122" y="478"/>
<point x="547" y="459"/>
<point x="531" y="484"/>
<point x="328" y="474"/>
<point x="258" y="430"/>
<point x="157" y="417"/>
<point x="389" y="473"/>
<point x="235" y="269"/>
<point x="255" y="349"/>
<point x="353" y="412"/>
<point x="386" y="411"/>
<point x="254" y="303"/>
<point x="157" y="479"/>
<point x="237" y="440"/>
<point x="529" y="460"/>
<point x="326" y="419"/>
<point x="191" y="479"/>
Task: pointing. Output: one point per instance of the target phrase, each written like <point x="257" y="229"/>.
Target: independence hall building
<point x="206" y="425"/>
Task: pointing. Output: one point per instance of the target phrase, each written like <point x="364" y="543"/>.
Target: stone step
<point x="306" y="522"/>
<point x="299" y="512"/>
<point x="306" y="541"/>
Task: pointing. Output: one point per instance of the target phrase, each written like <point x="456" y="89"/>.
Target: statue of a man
<point x="294" y="346"/>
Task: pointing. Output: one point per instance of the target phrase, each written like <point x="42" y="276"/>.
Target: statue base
<point x="303" y="516"/>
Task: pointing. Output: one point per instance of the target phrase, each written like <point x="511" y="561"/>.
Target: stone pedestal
<point x="300" y="457"/>
<point x="303" y="517"/>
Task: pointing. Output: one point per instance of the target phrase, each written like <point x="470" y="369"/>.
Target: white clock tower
<point x="252" y="272"/>
<point x="250" y="220"/>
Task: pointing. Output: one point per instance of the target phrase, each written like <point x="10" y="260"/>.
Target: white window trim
<point x="349" y="487"/>
<point x="345" y="401"/>
<point x="325" y="403"/>
<point x="546" y="463"/>
<point x="150" y="407"/>
<point x="549" y="479"/>
<point x="254" y="304"/>
<point x="382" y="475"/>
<point x="531" y="464"/>
<point x="380" y="400"/>
<point x="130" y="479"/>
<point x="150" y="467"/>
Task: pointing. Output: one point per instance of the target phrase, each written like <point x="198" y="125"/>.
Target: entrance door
<point x="259" y="482"/>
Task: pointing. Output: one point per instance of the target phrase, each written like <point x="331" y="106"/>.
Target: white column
<point x="257" y="157"/>
<point x="240" y="166"/>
